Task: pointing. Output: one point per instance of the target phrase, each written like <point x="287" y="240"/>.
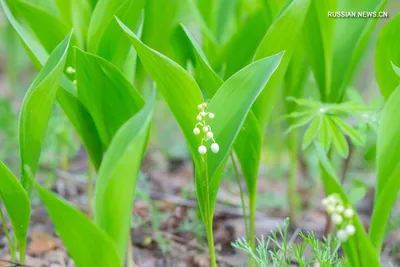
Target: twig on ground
<point x="14" y="264"/>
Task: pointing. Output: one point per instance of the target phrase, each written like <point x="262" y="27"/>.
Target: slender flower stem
<point x="252" y="227"/>
<point x="237" y="176"/>
<point x="292" y="188"/>
<point x="7" y="233"/>
<point x="209" y="216"/>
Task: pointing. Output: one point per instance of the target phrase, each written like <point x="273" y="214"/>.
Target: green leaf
<point x="101" y="88"/>
<point x="49" y="30"/>
<point x="72" y="107"/>
<point x="349" y="131"/>
<point x="102" y="16"/>
<point x="325" y="138"/>
<point x="117" y="178"/>
<point x="206" y="77"/>
<point x="311" y="133"/>
<point x="37" y="107"/>
<point x="338" y="139"/>
<point x="388" y="170"/>
<point x="348" y="51"/>
<point x="86" y="243"/>
<point x="318" y="33"/>
<point x="231" y="104"/>
<point x="76" y="14"/>
<point x="359" y="248"/>
<point x="241" y="47"/>
<point x="301" y="121"/>
<point x="387" y="55"/>
<point x="281" y="36"/>
<point x="178" y="88"/>
<point x="114" y="45"/>
<point x="17" y="204"/>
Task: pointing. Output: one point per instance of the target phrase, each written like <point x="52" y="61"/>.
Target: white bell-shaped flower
<point x="215" y="147"/>
<point x="202" y="150"/>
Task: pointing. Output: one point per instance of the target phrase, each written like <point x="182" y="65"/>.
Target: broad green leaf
<point x="17" y="204"/>
<point x="37" y="107"/>
<point x="240" y="49"/>
<point x="359" y="248"/>
<point x="388" y="143"/>
<point x="318" y="33"/>
<point x="75" y="111"/>
<point x="117" y="178"/>
<point x="114" y="46"/>
<point x="351" y="39"/>
<point x="205" y="76"/>
<point x="231" y="104"/>
<point x="349" y="131"/>
<point x="49" y="30"/>
<point x="76" y="14"/>
<point x="338" y="139"/>
<point x="281" y="36"/>
<point x="296" y="77"/>
<point x="86" y="243"/>
<point x="311" y="133"/>
<point x="178" y="88"/>
<point x="102" y="15"/>
<point x="388" y="53"/>
<point x="388" y="170"/>
<point x="225" y="19"/>
<point x="102" y="88"/>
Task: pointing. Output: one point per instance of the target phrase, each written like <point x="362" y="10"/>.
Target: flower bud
<point x="199" y="118"/>
<point x="210" y="135"/>
<point x="206" y="129"/>
<point x="211" y="115"/>
<point x="196" y="131"/>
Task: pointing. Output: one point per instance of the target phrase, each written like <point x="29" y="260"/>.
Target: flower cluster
<point x="205" y="129"/>
<point x="341" y="215"/>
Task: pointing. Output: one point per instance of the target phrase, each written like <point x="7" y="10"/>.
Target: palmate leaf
<point x="387" y="188"/>
<point x="86" y="243"/>
<point x="36" y="109"/>
<point x="359" y="248"/>
<point x="117" y="178"/>
<point x="17" y="204"/>
<point x="102" y="88"/>
<point x="231" y="103"/>
<point x="387" y="56"/>
<point x="67" y="98"/>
